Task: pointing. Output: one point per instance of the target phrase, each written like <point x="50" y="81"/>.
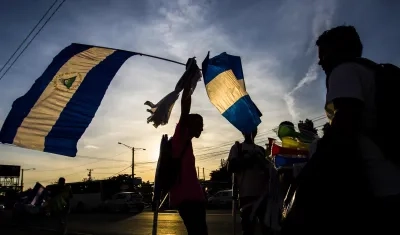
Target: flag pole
<point x="141" y="54"/>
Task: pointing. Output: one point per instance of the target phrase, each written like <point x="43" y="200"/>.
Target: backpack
<point x="240" y="164"/>
<point x="387" y="84"/>
<point x="168" y="168"/>
<point x="234" y="165"/>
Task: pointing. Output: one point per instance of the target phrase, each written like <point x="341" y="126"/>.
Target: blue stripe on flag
<point x="212" y="72"/>
<point x="22" y="106"/>
<point x="287" y="161"/>
<point x="221" y="63"/>
<point x="243" y="115"/>
<point x="63" y="137"/>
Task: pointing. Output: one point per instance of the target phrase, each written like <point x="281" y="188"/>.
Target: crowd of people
<point x="38" y="201"/>
<point x="351" y="182"/>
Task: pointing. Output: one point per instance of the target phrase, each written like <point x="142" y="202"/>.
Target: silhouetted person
<point x="187" y="194"/>
<point x="61" y="197"/>
<point x="362" y="192"/>
<point x="248" y="161"/>
<point x="351" y="105"/>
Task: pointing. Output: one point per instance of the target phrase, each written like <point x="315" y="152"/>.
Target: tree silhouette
<point x="307" y="130"/>
<point x="221" y="174"/>
<point x="307" y="126"/>
<point x="123" y="178"/>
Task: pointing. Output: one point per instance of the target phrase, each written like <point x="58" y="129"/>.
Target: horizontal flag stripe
<point x="243" y="115"/>
<point x="225" y="62"/>
<point x="22" y="106"/>
<point x="212" y="72"/>
<point x="236" y="66"/>
<point x="82" y="107"/>
<point x="56" y="96"/>
<point x="282" y="161"/>
<point x="224" y="90"/>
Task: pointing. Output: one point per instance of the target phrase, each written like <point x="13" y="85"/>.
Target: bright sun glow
<point x="155" y="152"/>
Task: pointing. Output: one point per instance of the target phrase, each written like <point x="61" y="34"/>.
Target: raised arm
<point x="186" y="102"/>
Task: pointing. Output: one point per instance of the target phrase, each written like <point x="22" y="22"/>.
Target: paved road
<point x="219" y="223"/>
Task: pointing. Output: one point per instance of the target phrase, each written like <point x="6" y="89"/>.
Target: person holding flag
<point x="247" y="162"/>
<point x="187" y="194"/>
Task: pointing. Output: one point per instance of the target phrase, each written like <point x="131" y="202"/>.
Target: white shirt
<point x="251" y="182"/>
<point x="352" y="80"/>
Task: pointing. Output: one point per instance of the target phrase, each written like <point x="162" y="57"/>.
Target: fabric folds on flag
<point x="53" y="115"/>
<point x="225" y="86"/>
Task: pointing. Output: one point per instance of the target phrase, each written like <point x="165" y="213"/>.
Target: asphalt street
<point x="219" y="223"/>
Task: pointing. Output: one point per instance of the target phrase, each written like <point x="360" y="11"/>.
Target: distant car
<point x="221" y="199"/>
<point x="125" y="202"/>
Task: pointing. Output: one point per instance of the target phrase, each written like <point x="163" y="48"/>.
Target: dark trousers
<point x="193" y="215"/>
<point x="62" y="218"/>
<point x="248" y="224"/>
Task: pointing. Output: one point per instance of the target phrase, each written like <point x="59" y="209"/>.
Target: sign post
<point x="234" y="204"/>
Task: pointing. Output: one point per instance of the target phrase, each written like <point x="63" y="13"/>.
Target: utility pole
<point x="22" y="180"/>
<point x="133" y="167"/>
<point x="22" y="177"/>
<point x="198" y="173"/>
<point x="204" y="175"/>
<point x="133" y="160"/>
<point x="90" y="174"/>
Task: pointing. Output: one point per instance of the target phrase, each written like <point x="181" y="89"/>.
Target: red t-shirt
<point x="188" y="187"/>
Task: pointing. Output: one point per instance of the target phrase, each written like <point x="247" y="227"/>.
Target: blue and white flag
<point x="53" y="115"/>
<point x="225" y="86"/>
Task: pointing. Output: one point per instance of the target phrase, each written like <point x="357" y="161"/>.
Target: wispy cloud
<point x="310" y="76"/>
<point x="322" y="20"/>
<point x="91" y="147"/>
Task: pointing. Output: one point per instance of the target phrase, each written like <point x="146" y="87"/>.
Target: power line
<point x="212" y="155"/>
<point x="104" y="159"/>
<point x="263" y="133"/>
<point x="121" y="171"/>
<point x="27" y="36"/>
<point x="98" y="160"/>
<point x="30" y="41"/>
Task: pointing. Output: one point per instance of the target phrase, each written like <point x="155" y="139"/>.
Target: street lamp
<point x="22" y="176"/>
<point x="133" y="159"/>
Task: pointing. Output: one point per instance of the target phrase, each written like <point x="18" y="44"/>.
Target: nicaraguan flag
<point x="53" y="115"/>
<point x="225" y="86"/>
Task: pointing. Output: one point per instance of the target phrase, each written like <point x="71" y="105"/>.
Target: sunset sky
<point x="275" y="40"/>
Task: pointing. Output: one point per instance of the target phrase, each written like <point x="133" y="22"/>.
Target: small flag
<point x="53" y="115"/>
<point x="225" y="86"/>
